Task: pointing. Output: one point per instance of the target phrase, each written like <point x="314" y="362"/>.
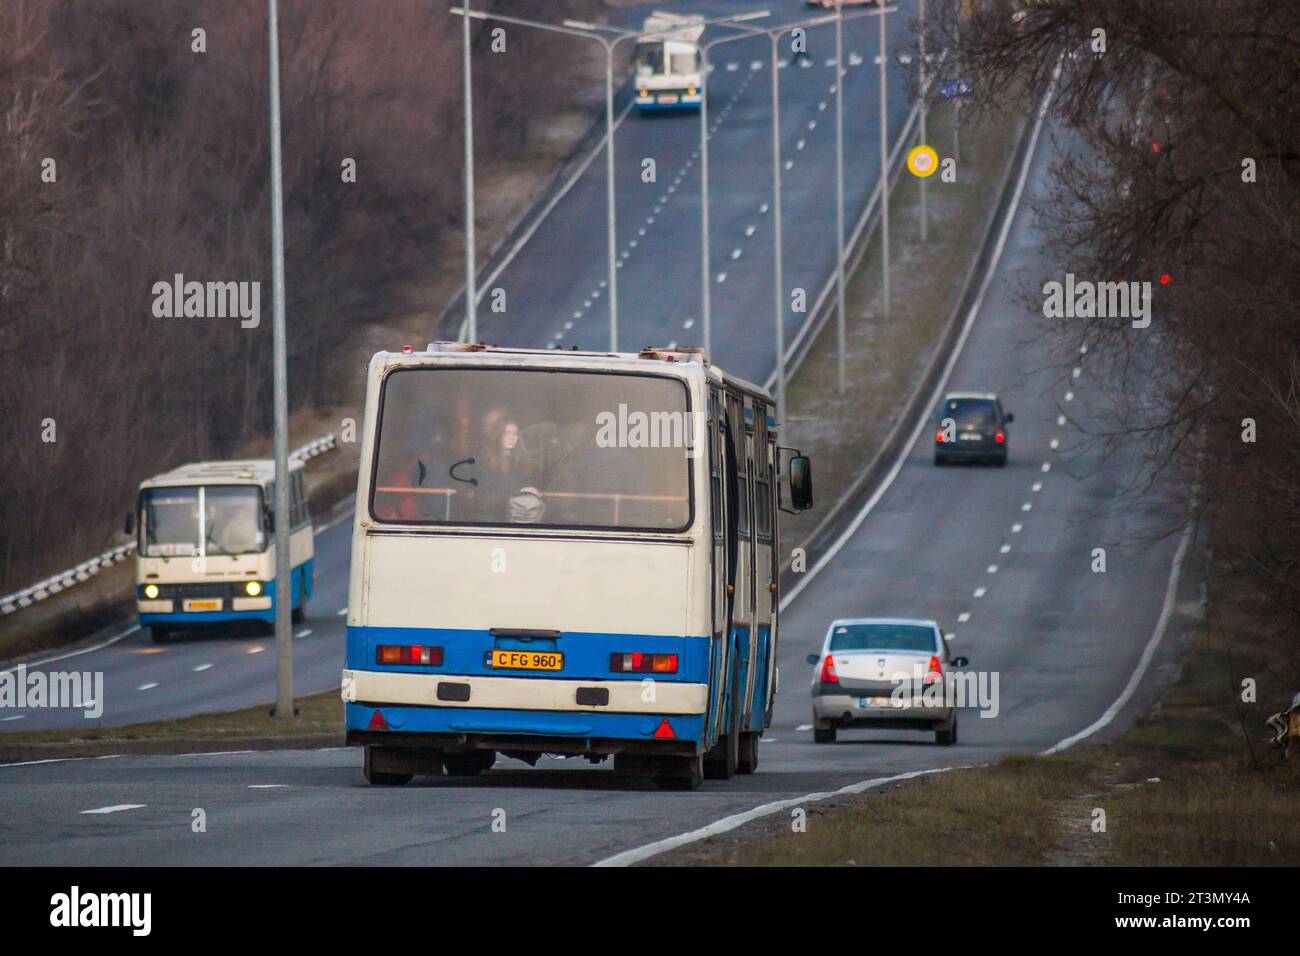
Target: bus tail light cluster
<point x="638" y="663"/>
<point x="408" y="654"/>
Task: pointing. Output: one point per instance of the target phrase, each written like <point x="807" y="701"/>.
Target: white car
<point x="882" y="672"/>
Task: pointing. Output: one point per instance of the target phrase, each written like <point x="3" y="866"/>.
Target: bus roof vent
<point x="458" y="347"/>
<point x="679" y="354"/>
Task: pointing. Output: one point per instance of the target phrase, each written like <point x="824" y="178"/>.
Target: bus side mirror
<point x="794" y="480"/>
<point x="128" y="526"/>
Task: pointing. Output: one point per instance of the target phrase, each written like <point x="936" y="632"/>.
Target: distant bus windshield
<point x="529" y="446"/>
<point x="207" y="519"/>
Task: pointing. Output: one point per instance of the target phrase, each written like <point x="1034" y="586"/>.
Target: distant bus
<point x="666" y="68"/>
<point x="567" y="553"/>
<point x="205" y="552"/>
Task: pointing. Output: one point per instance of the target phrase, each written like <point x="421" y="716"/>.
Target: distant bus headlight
<point x="151" y="591"/>
<point x="253" y="588"/>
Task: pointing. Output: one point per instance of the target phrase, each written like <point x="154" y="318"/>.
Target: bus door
<point x="742" y="577"/>
<point x="722" y="563"/>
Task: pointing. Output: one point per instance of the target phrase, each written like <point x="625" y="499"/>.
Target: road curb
<point x="25" y="753"/>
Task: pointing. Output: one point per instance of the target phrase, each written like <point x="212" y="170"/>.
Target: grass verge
<point x="318" y="723"/>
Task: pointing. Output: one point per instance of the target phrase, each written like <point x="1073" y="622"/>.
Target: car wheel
<point x="680" y="773"/>
<point x="947" y="737"/>
<point x="940" y="461"/>
<point x="826" y="736"/>
<point x="379" y="778"/>
<point x="1001" y="460"/>
<point x="470" y="764"/>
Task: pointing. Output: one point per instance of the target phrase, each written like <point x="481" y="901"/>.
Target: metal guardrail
<point x="57" y="583"/>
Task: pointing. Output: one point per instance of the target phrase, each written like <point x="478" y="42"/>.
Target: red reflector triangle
<point x="377" y="722"/>
<point x="665" y="731"/>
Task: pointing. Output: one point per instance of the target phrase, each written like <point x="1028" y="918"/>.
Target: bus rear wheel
<point x="470" y="764"/>
<point x="680" y="773"/>
<point x="382" y="778"/>
<point x="748" y="752"/>
<point x="724" y="758"/>
<point x="300" y="612"/>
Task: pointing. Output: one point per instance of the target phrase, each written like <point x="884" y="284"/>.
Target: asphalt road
<point x="558" y="280"/>
<point x="1009" y="547"/>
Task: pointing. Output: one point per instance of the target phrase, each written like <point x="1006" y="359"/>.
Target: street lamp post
<point x="280" y="390"/>
<point x="925" y="218"/>
<point x="884" y="172"/>
<point x="841" y="345"/>
<point x="471" y="294"/>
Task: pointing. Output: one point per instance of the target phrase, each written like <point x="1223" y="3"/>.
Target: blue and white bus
<point x="569" y="553"/>
<point x="205" y="551"/>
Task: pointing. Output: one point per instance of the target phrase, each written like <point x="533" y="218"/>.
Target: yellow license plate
<point x="526" y="660"/>
<point x="204" y="604"/>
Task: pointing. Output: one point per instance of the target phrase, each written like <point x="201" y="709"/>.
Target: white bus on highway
<point x="205" y="551"/>
<point x="667" y="63"/>
<point x="565" y="553"/>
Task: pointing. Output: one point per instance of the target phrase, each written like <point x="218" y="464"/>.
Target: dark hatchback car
<point x="971" y="426"/>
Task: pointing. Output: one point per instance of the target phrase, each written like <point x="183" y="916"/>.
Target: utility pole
<point x="471" y="294"/>
<point x="283" y="570"/>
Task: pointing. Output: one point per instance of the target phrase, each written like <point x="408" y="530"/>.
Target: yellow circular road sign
<point x="922" y="161"/>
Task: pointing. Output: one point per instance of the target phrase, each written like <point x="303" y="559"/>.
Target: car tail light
<point x="936" y="670"/>
<point x="639" y="663"/>
<point x="1000" y="437"/>
<point x="828" y="671"/>
<point x="939" y="436"/>
<point x="408" y="654"/>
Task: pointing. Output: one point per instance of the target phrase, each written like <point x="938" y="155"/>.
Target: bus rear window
<point x="532" y="447"/>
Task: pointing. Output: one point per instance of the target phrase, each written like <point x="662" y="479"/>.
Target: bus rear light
<point x="828" y="671"/>
<point x="638" y="663"/>
<point x="414" y="654"/>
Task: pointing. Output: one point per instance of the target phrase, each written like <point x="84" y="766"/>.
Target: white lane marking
<point x="963" y="617"/>
<point x="1046" y="467"/>
<point x="801" y="144"/>
<point x="5" y="720"/>
<point x="980" y="592"/>
<point x="117" y="808"/>
<point x="268" y="786"/>
<point x="1017" y="528"/>
<point x="688" y="323"/>
<point x="85" y="650"/>
<point x="150" y="686"/>
<point x="628" y="857"/>
<point x="812" y="125"/>
<point x="749" y="231"/>
<point x="821" y="107"/>
<point x="1060" y="420"/>
<point x="1036" y="486"/>
<point x="1162" y="623"/>
<point x="722" y="277"/>
<point x="923" y="420"/>
<point x="1006" y="548"/>
<point x="1054" y="444"/>
<point x="202" y="667"/>
<point x="789" y="164"/>
<point x="735" y="253"/>
<point x="768" y="740"/>
<point x="1027" y="506"/>
<point x="804" y="727"/>
<point x="255" y="649"/>
<point x="305" y="632"/>
<point x="1076" y="372"/>
<point x="1069" y="396"/>
<point x="763" y="207"/>
<point x="991" y="569"/>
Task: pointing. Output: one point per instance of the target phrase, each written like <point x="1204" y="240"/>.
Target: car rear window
<point x="883" y="637"/>
<point x="970" y="412"/>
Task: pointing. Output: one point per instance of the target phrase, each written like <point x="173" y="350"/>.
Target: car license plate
<point x="874" y="702"/>
<point x="526" y="660"/>
<point x="970" y="436"/>
<point x="203" y="604"/>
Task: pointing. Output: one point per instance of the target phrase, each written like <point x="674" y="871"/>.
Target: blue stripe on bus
<point x="214" y="617"/>
<point x="586" y="653"/>
<point x="474" y="720"/>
